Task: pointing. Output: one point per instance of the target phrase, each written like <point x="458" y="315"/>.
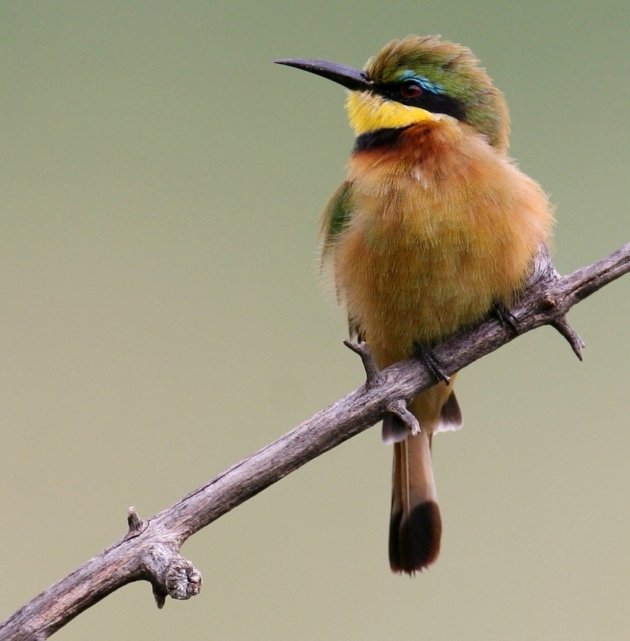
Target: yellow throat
<point x="369" y="112"/>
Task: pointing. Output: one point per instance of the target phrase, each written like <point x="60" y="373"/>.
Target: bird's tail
<point x="415" y="525"/>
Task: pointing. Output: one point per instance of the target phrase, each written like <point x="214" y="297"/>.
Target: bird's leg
<point x="508" y="321"/>
<point x="428" y="358"/>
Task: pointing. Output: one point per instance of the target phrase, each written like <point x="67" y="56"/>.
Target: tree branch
<point x="150" y="549"/>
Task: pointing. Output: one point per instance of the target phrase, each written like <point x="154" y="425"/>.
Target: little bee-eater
<point x="433" y="228"/>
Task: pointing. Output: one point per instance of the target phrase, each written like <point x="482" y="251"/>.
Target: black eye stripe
<point x="434" y="102"/>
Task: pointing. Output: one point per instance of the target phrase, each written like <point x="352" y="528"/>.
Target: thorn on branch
<point x="372" y="373"/>
<point x="548" y="303"/>
<point x="562" y="325"/>
<point x="135" y="523"/>
<point x="159" y="595"/>
<point x="399" y="409"/>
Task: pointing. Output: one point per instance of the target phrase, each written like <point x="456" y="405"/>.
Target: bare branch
<point x="150" y="549"/>
<point x="372" y="374"/>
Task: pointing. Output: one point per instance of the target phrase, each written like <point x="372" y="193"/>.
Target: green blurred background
<point x="161" y="318"/>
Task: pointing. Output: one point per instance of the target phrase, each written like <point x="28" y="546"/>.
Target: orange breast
<point x="442" y="226"/>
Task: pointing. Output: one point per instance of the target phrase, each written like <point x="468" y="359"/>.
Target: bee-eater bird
<point x="433" y="228"/>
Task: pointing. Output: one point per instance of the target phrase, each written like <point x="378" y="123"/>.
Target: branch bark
<point x="150" y="549"/>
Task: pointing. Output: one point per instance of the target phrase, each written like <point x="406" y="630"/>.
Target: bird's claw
<point x="508" y="321"/>
<point x="428" y="358"/>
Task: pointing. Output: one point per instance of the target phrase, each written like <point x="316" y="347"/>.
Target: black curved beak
<point x="350" y="78"/>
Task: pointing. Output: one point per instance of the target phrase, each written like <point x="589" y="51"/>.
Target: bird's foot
<point x="508" y="321"/>
<point x="428" y="358"/>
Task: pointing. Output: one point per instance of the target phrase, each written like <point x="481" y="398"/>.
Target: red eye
<point x="410" y="89"/>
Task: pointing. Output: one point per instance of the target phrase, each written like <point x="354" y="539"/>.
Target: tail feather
<point x="393" y="430"/>
<point x="450" y="415"/>
<point x="415" y="529"/>
<point x="415" y="542"/>
<point x="415" y="525"/>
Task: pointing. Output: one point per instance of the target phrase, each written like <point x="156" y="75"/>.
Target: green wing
<point x="336" y="216"/>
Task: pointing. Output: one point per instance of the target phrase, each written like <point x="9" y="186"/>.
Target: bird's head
<point x="414" y="80"/>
